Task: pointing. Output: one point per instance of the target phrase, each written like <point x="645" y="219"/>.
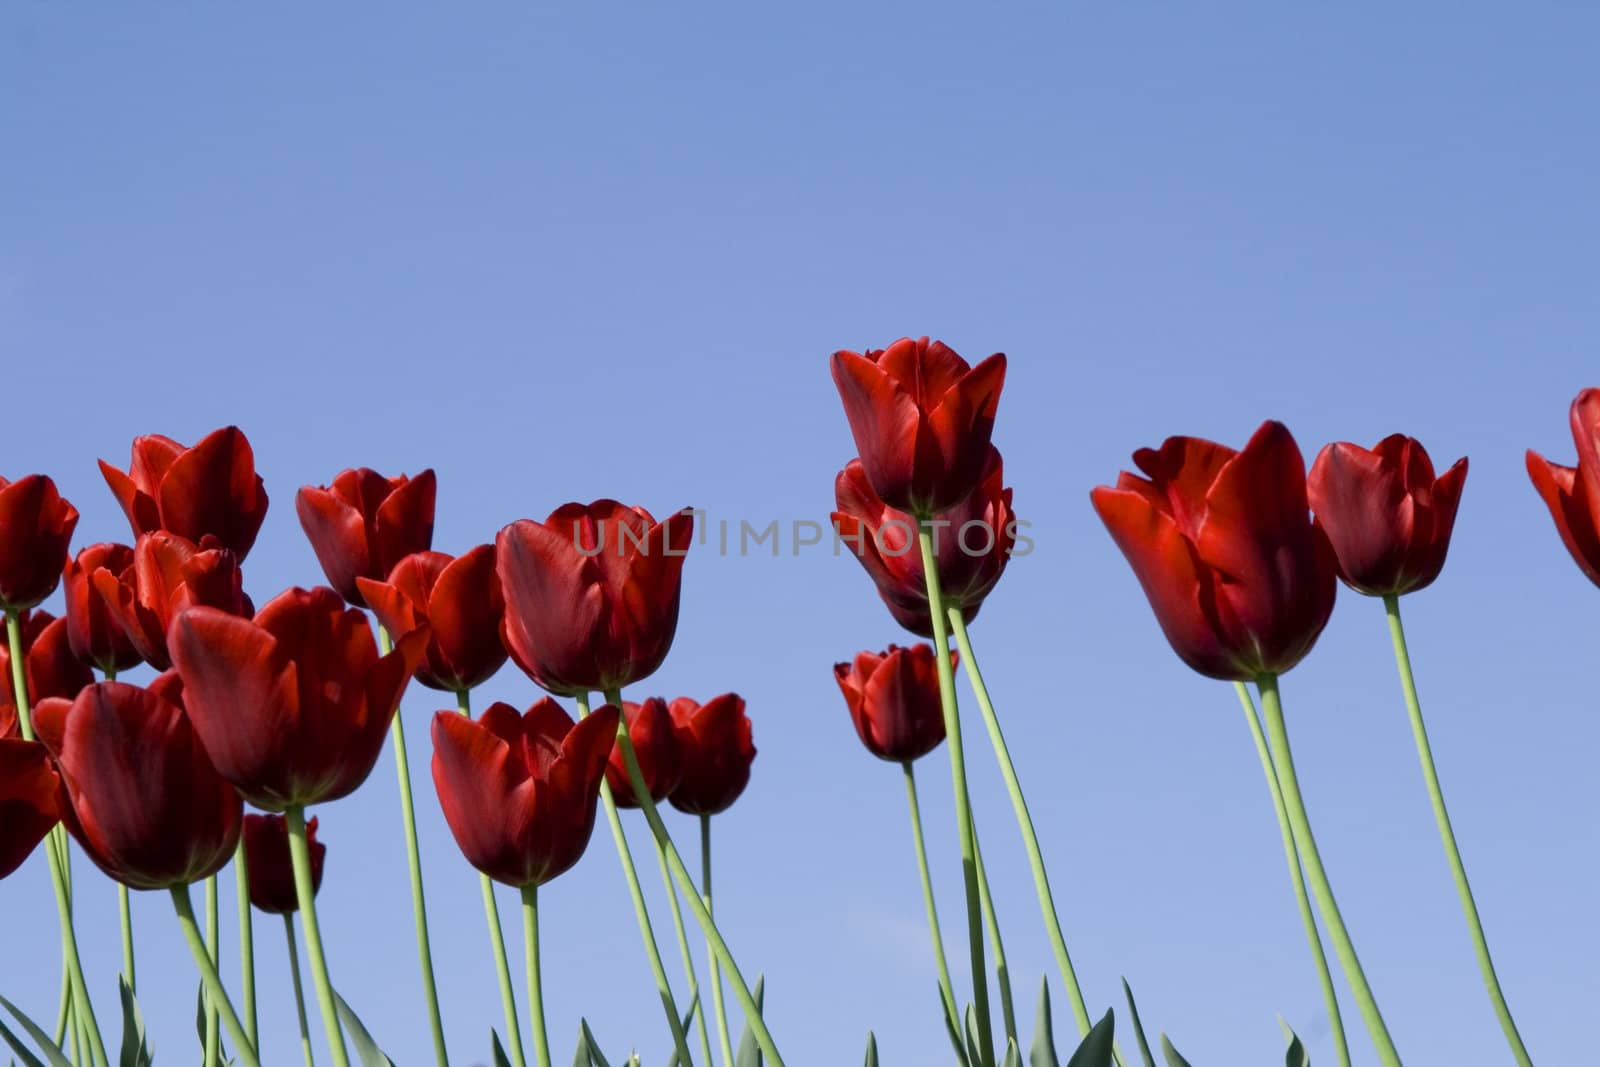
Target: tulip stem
<point x="688" y="959"/>
<point x="247" y="940"/>
<point x="991" y="919"/>
<point x="305" y="894"/>
<point x="213" y="936"/>
<point x="419" y="902"/>
<point x="215" y="994"/>
<point x="530" y="941"/>
<point x="724" y="1039"/>
<point x="1306" y="844"/>
<point x="299" y="991"/>
<point x="646" y="932"/>
<point x="1430" y="774"/>
<point x="1330" y="996"/>
<point x="125" y="908"/>
<point x="714" y="938"/>
<point x="952" y="1015"/>
<point x="497" y="939"/>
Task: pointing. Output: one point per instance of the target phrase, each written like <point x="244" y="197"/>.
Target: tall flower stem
<point x="1458" y="870"/>
<point x="1306" y="844"/>
<point x="305" y="895"/>
<point x="215" y="994"/>
<point x="946" y="990"/>
<point x="497" y="939"/>
<point x="724" y="1038"/>
<point x="1330" y="997"/>
<point x="1002" y="972"/>
<point x="714" y="939"/>
<point x="213" y="948"/>
<point x="125" y="911"/>
<point x="299" y="991"/>
<point x="419" y="902"/>
<point x="683" y="950"/>
<point x="530" y="942"/>
<point x="958" y="775"/>
<point x="247" y="940"/>
<point x="646" y="932"/>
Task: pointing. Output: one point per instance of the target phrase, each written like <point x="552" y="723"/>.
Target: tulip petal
<point x="213" y="488"/>
<point x="1566" y="495"/>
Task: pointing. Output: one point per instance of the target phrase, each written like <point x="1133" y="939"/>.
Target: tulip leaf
<point x="1138" y="1027"/>
<point x="952" y="1028"/>
<point x="973" y="1045"/>
<point x="1297" y="1056"/>
<point x="53" y="1056"/>
<point x="1171" y="1054"/>
<point x="28" y="1058"/>
<point x="136" y="1051"/>
<point x="872" y="1050"/>
<point x="581" y="1057"/>
<point x="1097" y="1046"/>
<point x="1013" y="1054"/>
<point x="1042" y="1053"/>
<point x="500" y="1058"/>
<point x="688" y="1022"/>
<point x="592" y="1047"/>
<point x="749" y="1052"/>
<point x="367" y="1050"/>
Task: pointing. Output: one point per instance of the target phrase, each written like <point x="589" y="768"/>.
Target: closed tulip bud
<point x="459" y="600"/>
<point x="271" y="870"/>
<point x="36" y="527"/>
<point x="716" y="749"/>
<point x="893" y="698"/>
<point x="365" y="523"/>
<point x="170" y="573"/>
<point x="655" y="744"/>
<point x="29" y="787"/>
<point x="96" y="637"/>
<point x="210" y="489"/>
<point x="1573" y="493"/>
<point x="50" y="667"/>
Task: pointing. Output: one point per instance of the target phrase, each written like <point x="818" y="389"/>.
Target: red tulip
<point x="1386" y="515"/>
<point x="893" y="699"/>
<point x="460" y="602"/>
<point x="36" y="527"/>
<point x="94" y="633"/>
<point x="292" y="706"/>
<point x="921" y="419"/>
<point x="1573" y="493"/>
<point x="972" y="543"/>
<point x="211" y="488"/>
<point x="51" y="668"/>
<point x="716" y="750"/>
<point x="28" y="806"/>
<point x="1240" y="580"/>
<point x="140" y="794"/>
<point x="364" y="523"/>
<point x="169" y="574"/>
<point x="271" y="871"/>
<point x="655" y="744"/>
<point x="519" y="791"/>
<point x="592" y="594"/>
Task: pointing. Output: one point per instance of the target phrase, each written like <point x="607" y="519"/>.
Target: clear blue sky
<point x="583" y="251"/>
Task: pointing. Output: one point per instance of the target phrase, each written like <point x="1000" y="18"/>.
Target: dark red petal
<point x="884" y="421"/>
<point x="338" y="536"/>
<point x="1566" y="497"/>
<point x="213" y="489"/>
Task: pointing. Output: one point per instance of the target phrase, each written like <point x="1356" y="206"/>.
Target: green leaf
<point x="688" y="1022"/>
<point x="581" y="1057"/>
<point x="1013" y="1053"/>
<point x="1171" y="1054"/>
<point x="367" y="1050"/>
<point x="53" y="1056"/>
<point x="749" y="1052"/>
<point x="1042" y="1053"/>
<point x="28" y="1058"/>
<point x="592" y="1046"/>
<point x="136" y="1050"/>
<point x="952" y="1028"/>
<point x="973" y="1045"/>
<point x="1096" y="1048"/>
<point x="1297" y="1056"/>
<point x="500" y="1058"/>
<point x="872" y="1050"/>
<point x="1138" y="1027"/>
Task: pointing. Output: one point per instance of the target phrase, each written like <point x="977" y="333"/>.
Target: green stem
<point x="1458" y="870"/>
<point x="305" y="895"/>
<point x="1306" y="843"/>
<point x="958" y="775"/>
<point x="724" y="1038"/>
<point x="299" y="991"/>
<point x="215" y="994"/>
<point x="1330" y="996"/>
<point x="213" y="937"/>
<point x="419" y="903"/>
<point x="992" y="921"/>
<point x="64" y="1015"/>
<point x="714" y="939"/>
<point x="247" y="941"/>
<point x="683" y="950"/>
<point x="646" y="932"/>
<point x="946" y="990"/>
<point x="530" y="936"/>
<point x="125" y="911"/>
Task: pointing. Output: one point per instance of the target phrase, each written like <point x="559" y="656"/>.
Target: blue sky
<point x="578" y="251"/>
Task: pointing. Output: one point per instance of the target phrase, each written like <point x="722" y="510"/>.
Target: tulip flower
<point x="921" y="418"/>
<point x="519" y="791"/>
<point x="29" y="809"/>
<point x="266" y="851"/>
<point x="460" y="602"/>
<point x="169" y="573"/>
<point x="50" y="668"/>
<point x="1573" y="493"/>
<point x="364" y="523"/>
<point x="141" y="795"/>
<point x="293" y="705"/>
<point x="972" y="543"/>
<point x="1385" y="514"/>
<point x="97" y="639"/>
<point x="592" y="594"/>
<point x="36" y="527"/>
<point x="716" y="750"/>
<point x="1240" y="580"/>
<point x="655" y="744"/>
<point x="893" y="698"/>
<point x="211" y="488"/>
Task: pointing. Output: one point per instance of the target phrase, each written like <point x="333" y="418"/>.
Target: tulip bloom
<point x="211" y="488"/>
<point x="169" y="573"/>
<point x="460" y="602"/>
<point x="1573" y="493"/>
<point x="293" y="706"/>
<point x="96" y="637"/>
<point x="29" y="809"/>
<point x="364" y="523"/>
<point x="655" y="744"/>
<point x="921" y="418"/>
<point x="1240" y="580"/>
<point x="49" y="666"/>
<point x="716" y="750"/>
<point x="592" y="594"/>
<point x="893" y="698"/>
<point x="519" y="791"/>
<point x="36" y="527"/>
<point x="271" y="872"/>
<point x="140" y="794"/>
<point x="972" y="544"/>
<point x="1387" y="517"/>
